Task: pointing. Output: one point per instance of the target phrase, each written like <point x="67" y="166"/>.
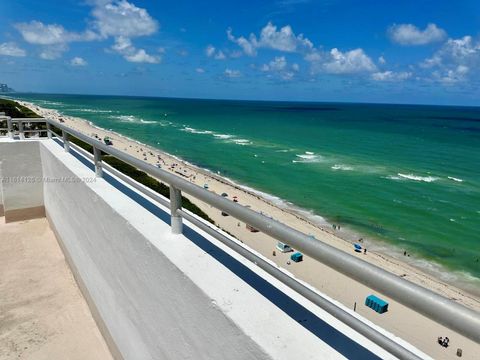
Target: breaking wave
<point x="308" y="157"/>
<point x="413" y="177"/>
<point x="132" y="119"/>
<point x="342" y="167"/>
<point x="455" y="179"/>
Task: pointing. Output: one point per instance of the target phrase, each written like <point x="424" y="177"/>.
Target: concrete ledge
<point x="115" y="352"/>
<point x="23" y="214"/>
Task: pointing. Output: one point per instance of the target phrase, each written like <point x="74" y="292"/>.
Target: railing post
<point x="66" y="144"/>
<point x="175" y="204"/>
<point x="20" y="130"/>
<point x="49" y="130"/>
<point x="10" y="127"/>
<point x="97" y="160"/>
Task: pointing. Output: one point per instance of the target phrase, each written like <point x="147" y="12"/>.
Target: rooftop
<point x="43" y="314"/>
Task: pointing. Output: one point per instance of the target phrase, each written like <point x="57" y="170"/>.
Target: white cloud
<point x="454" y="61"/>
<point x="278" y="67"/>
<point x="200" y="70"/>
<point x="220" y="55"/>
<point x="283" y="39"/>
<point x="38" y="33"/>
<point x="408" y="34"/>
<point x="141" y="56"/>
<point x="121" y="18"/>
<point x="354" y="61"/>
<point x="125" y="21"/>
<point x="11" y="49"/>
<point x="450" y="76"/>
<point x="381" y="60"/>
<point x="52" y="52"/>
<point x="277" y="64"/>
<point x="130" y="53"/>
<point x="211" y="51"/>
<point x="391" y="76"/>
<point x="232" y="73"/>
<point x="78" y="61"/>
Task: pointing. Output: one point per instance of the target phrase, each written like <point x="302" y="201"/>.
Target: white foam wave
<point x="223" y="136"/>
<point x="96" y="111"/>
<point x="309" y="153"/>
<point x="308" y="158"/>
<point x="242" y="142"/>
<point x="132" y="119"/>
<point x="413" y="177"/>
<point x="46" y="102"/>
<point x="196" y="131"/>
<point x="418" y="178"/>
<point x="455" y="179"/>
<point x="342" y="167"/>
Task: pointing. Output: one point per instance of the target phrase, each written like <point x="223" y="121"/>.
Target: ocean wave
<point x="54" y="103"/>
<point x="96" y="111"/>
<point x="195" y="131"/>
<point x="227" y="137"/>
<point x="282" y="151"/>
<point x="308" y="157"/>
<point x="241" y="141"/>
<point x="223" y="136"/>
<point x="132" y="119"/>
<point x="413" y="177"/>
<point x="342" y="167"/>
<point x="455" y="179"/>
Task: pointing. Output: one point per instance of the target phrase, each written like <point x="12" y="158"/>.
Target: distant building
<point x="5" y="89"/>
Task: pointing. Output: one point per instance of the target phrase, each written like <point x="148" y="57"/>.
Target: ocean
<point x="403" y="177"/>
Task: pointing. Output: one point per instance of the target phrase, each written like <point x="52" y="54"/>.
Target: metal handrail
<point x="356" y="324"/>
<point x="436" y="307"/>
<point x="20" y="122"/>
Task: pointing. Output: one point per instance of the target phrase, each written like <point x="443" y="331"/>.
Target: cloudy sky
<point x="315" y="50"/>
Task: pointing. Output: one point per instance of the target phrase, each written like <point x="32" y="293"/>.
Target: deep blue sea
<point x="405" y="176"/>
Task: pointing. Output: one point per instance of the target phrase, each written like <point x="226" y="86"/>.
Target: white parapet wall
<point x="21" y="180"/>
<point x="149" y="307"/>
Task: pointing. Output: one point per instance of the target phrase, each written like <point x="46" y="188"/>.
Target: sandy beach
<point x="399" y="320"/>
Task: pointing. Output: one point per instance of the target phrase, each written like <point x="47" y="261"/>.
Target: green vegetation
<point x="141" y="177"/>
<point x="13" y="109"/>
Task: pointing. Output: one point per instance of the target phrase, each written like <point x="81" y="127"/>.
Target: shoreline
<point x="331" y="283"/>
<point x="304" y="215"/>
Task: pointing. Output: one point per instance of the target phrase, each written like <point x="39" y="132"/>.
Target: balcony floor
<point x="43" y="314"/>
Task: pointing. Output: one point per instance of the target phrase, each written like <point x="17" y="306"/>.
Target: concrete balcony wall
<point x="22" y="180"/>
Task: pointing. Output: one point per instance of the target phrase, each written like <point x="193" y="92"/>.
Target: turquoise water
<point x="408" y="176"/>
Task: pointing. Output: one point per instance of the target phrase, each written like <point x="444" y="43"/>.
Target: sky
<point x="420" y="51"/>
